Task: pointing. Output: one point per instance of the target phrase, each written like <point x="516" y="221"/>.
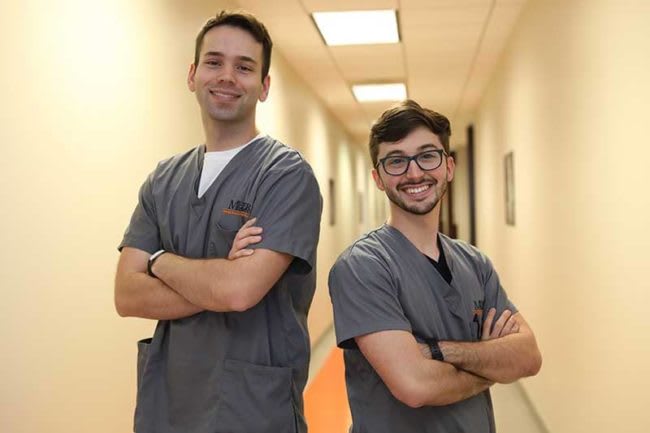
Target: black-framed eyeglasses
<point x="397" y="165"/>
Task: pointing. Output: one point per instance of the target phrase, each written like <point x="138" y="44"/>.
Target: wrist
<point x="152" y="260"/>
<point x="434" y="347"/>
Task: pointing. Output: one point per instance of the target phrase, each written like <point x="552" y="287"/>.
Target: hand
<point x="248" y="234"/>
<point x="425" y="350"/>
<point x="505" y="325"/>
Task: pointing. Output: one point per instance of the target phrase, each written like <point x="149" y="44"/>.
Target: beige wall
<point x="571" y="99"/>
<point x="293" y="114"/>
<point x="92" y="95"/>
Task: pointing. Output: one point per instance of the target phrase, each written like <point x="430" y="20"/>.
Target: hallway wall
<point x="92" y="95"/>
<point x="571" y="99"/>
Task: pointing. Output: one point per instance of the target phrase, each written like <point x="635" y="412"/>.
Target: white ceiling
<point x="446" y="56"/>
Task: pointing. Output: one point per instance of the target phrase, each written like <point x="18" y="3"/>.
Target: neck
<point x="421" y="230"/>
<point x="225" y="135"/>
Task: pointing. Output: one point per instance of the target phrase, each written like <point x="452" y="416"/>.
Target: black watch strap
<point x="436" y="353"/>
<point x="152" y="260"/>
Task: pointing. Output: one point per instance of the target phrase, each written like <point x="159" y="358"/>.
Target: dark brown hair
<point x="400" y="120"/>
<point x="241" y="20"/>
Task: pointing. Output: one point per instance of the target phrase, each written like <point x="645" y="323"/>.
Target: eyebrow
<point x="220" y="54"/>
<point x="427" y="146"/>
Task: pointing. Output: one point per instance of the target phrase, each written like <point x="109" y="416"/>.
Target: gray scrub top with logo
<point x="383" y="282"/>
<point x="234" y="372"/>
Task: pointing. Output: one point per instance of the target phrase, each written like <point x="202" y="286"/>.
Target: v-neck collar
<point x="449" y="291"/>
<point x="198" y="203"/>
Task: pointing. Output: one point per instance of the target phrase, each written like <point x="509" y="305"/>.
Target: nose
<point x="227" y="74"/>
<point x="413" y="170"/>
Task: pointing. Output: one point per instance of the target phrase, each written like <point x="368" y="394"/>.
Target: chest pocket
<point x="221" y="243"/>
<point x="223" y="234"/>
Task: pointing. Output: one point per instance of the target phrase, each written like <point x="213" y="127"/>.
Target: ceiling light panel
<point x="379" y="92"/>
<point x="357" y="27"/>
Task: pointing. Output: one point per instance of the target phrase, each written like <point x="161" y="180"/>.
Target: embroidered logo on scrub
<point x="239" y="208"/>
<point x="478" y="317"/>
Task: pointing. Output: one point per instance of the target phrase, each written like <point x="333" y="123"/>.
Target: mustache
<point x="418" y="182"/>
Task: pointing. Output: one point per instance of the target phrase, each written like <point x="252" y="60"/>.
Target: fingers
<point x="499" y="324"/>
<point x="248" y="229"/>
<point x="425" y="350"/>
<point x="243" y="242"/>
<point x="487" y="324"/>
<point x="511" y="327"/>
<point x="506" y="324"/>
<point x="240" y="253"/>
<point x="248" y="234"/>
<point x="248" y="223"/>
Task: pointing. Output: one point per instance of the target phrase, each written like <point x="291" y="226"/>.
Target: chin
<point x="419" y="211"/>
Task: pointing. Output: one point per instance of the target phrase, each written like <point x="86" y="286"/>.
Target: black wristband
<point x="436" y="353"/>
<point x="152" y="260"/>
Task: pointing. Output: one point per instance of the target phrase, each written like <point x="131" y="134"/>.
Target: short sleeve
<point x="365" y="298"/>
<point x="143" y="232"/>
<point x="288" y="207"/>
<point x="495" y="294"/>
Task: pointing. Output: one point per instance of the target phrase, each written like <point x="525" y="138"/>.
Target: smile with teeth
<point x="222" y="94"/>
<point x="417" y="189"/>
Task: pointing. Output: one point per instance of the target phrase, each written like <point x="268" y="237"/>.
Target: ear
<point x="451" y="167"/>
<point x="190" y="77"/>
<point x="266" y="84"/>
<point x="377" y="179"/>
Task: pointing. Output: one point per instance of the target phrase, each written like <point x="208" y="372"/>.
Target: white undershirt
<point x="214" y="163"/>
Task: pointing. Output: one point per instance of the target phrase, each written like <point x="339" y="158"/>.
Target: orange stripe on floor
<point x="326" y="400"/>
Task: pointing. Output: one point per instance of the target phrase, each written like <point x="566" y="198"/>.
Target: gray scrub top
<point x="234" y="372"/>
<point x="383" y="282"/>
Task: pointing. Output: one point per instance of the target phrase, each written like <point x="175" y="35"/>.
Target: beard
<point x="418" y="208"/>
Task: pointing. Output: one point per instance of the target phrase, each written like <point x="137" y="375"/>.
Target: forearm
<point x="203" y="282"/>
<point x="220" y="284"/>
<point x="139" y="295"/>
<point x="502" y="360"/>
<point x="412" y="378"/>
<point x="441" y="384"/>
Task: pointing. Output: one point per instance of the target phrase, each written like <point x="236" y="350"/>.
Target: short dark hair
<point x="241" y="20"/>
<point x="400" y="120"/>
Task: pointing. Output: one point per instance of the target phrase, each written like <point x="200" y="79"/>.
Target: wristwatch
<point x="151" y="261"/>
<point x="436" y="353"/>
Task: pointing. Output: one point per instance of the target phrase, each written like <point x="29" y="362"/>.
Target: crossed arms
<point x="507" y="351"/>
<point x="187" y="286"/>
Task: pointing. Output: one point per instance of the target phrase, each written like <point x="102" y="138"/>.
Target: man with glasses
<point x="425" y="324"/>
<point x="231" y="349"/>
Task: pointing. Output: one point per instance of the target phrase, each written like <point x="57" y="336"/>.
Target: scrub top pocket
<point x="255" y="399"/>
<point x="143" y="357"/>
<point x="221" y="242"/>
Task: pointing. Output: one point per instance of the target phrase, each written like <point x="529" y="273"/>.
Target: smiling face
<point x="228" y="80"/>
<point x="416" y="191"/>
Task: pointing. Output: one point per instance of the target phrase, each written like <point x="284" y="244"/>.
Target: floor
<point x="326" y="407"/>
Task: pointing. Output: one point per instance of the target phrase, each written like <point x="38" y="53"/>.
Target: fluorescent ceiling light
<point x="357" y="27"/>
<point x="379" y="92"/>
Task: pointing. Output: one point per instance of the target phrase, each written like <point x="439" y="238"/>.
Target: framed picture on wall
<point x="509" y="165"/>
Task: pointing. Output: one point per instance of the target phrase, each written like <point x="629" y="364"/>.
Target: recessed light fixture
<point x="357" y="27"/>
<point x="379" y="92"/>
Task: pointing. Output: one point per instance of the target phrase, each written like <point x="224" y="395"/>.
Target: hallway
<point x="95" y="94"/>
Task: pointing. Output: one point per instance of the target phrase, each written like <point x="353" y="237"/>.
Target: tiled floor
<point x="327" y="411"/>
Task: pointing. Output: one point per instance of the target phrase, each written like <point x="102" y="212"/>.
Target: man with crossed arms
<point x="415" y="310"/>
<point x="230" y="353"/>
